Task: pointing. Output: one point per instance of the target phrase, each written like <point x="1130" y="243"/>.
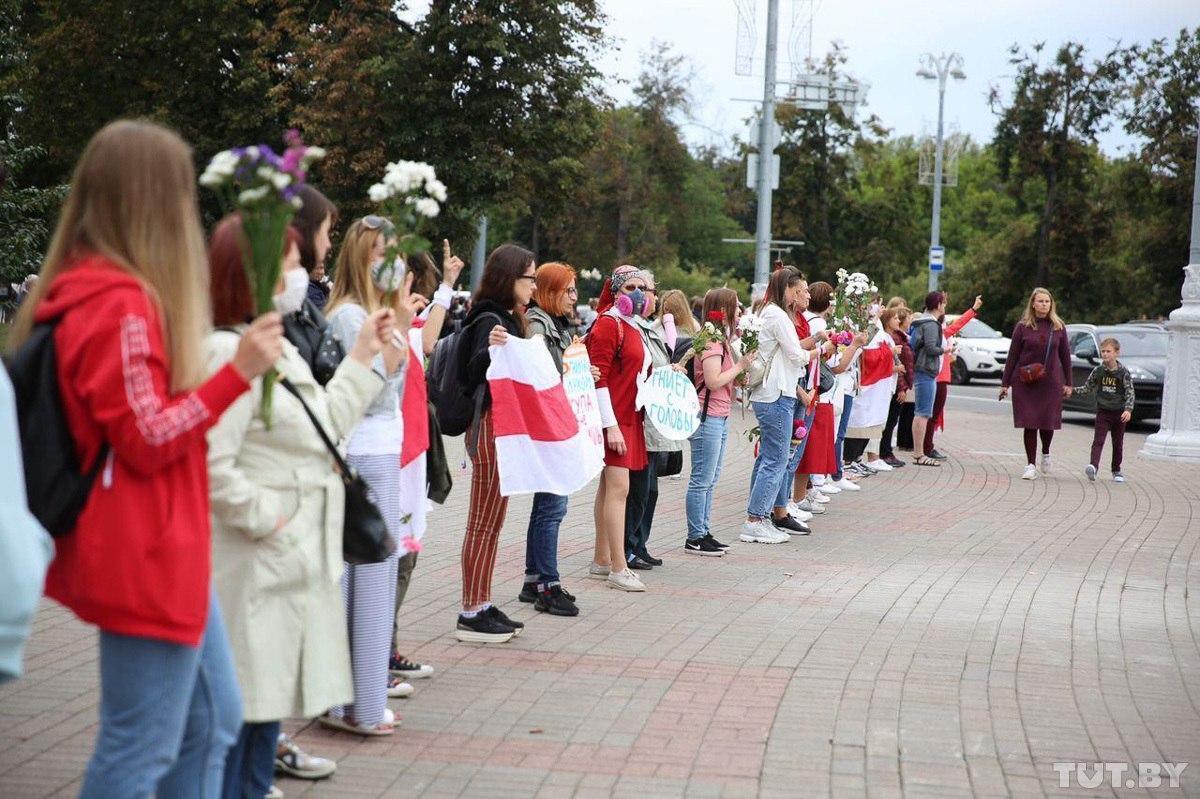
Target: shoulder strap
<point x="1049" y="339"/>
<point x="312" y="417"/>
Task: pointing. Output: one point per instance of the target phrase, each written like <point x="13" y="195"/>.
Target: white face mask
<point x="388" y="276"/>
<point x="295" y="288"/>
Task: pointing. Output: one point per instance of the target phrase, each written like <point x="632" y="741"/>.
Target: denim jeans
<point x="708" y="451"/>
<point x="541" y="539"/>
<point x="771" y="465"/>
<point x="168" y="715"/>
<point x="640" y="506"/>
<point x="250" y="766"/>
<point x="785" y="489"/>
<point x="843" y="423"/>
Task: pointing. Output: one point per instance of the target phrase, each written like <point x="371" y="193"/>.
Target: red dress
<point x="819" y="456"/>
<point x="617" y="387"/>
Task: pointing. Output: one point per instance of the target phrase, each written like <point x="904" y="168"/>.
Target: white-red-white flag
<point x="877" y="381"/>
<point x="540" y="445"/>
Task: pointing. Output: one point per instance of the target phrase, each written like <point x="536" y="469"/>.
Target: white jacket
<point x="779" y="346"/>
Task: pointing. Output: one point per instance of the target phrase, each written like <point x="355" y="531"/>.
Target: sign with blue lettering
<point x="671" y="404"/>
<point x="937" y="259"/>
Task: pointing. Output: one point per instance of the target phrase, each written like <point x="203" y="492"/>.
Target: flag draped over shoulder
<point x="540" y="445"/>
<point x="877" y="382"/>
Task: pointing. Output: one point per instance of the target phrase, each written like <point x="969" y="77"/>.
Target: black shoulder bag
<point x="365" y="535"/>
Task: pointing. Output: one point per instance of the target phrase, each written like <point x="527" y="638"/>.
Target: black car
<point x="1143" y="353"/>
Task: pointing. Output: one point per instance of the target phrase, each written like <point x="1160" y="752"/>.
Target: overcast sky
<point x="884" y="39"/>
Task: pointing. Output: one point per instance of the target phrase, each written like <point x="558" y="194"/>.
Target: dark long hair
<point x="504" y="267"/>
<point x="782" y="280"/>
<point x="308" y="221"/>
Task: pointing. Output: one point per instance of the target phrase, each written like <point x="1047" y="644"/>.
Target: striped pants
<point x="369" y="592"/>
<point x="484" y="520"/>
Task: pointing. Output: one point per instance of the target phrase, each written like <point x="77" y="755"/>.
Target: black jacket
<point x="477" y="357"/>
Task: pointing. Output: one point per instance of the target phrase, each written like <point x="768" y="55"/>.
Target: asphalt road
<point x="980" y="397"/>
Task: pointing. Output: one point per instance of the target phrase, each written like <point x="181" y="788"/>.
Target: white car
<point x="981" y="351"/>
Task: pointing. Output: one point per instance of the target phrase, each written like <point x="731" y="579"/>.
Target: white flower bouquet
<point x="408" y="194"/>
<point x="852" y="300"/>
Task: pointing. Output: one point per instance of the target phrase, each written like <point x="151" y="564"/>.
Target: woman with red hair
<point x="553" y="298"/>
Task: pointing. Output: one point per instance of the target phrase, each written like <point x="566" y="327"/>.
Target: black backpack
<point x="456" y="405"/>
<point x="55" y="484"/>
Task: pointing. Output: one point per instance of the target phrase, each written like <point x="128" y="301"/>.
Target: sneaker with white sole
<point x="398" y="688"/>
<point x="598" y="572"/>
<point x="762" y="532"/>
<point x="816" y="496"/>
<point x="400" y="666"/>
<point x="293" y="761"/>
<point x="830" y="487"/>
<point x="808" y="506"/>
<point x="1046" y="463"/>
<point x="848" y="485"/>
<point x="1090" y="471"/>
<point x="625" y="581"/>
<point x="878" y="465"/>
<point x="798" y="513"/>
<point x="1030" y="472"/>
<point x="1118" y="477"/>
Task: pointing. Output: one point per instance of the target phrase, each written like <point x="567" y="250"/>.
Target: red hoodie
<point x="138" y="561"/>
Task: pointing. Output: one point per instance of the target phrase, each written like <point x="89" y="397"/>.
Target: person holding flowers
<point x="125" y="284"/>
<point x="365" y="281"/>
<point x="277" y="515"/>
<point x="716" y="374"/>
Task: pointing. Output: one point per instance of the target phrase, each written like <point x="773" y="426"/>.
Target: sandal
<point x="350" y="725"/>
<point x="925" y="460"/>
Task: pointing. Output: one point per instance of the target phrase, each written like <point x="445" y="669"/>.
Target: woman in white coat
<point x="277" y="507"/>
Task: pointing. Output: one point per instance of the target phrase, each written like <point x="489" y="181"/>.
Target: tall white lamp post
<point x="939" y="68"/>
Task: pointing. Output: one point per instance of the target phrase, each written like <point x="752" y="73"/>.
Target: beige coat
<point x="280" y="592"/>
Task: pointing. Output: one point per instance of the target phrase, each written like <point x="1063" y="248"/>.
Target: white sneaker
<point x="1090" y="471"/>
<point x="762" y="532"/>
<point x="398" y="689"/>
<point x="808" y="506"/>
<point x="1045" y="464"/>
<point x="598" y="572"/>
<point x="1118" y="477"/>
<point x="816" y="496"/>
<point x="626" y="581"/>
<point x="878" y="466"/>
<point x="847" y="485"/>
<point x="829" y="488"/>
<point x="1030" y="472"/>
<point x="798" y="513"/>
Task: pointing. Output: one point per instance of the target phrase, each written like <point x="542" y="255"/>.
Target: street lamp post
<point x="766" y="157"/>
<point x="939" y="68"/>
<point x="1178" y="437"/>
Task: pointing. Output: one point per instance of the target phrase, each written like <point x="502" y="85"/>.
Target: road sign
<point x="752" y="171"/>
<point x="937" y="259"/>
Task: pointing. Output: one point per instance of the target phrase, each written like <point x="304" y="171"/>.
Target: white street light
<point x="939" y="68"/>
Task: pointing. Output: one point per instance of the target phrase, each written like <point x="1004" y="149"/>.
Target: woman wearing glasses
<point x="498" y="311"/>
<point x="553" y="299"/>
<point x="616" y="350"/>
<point x="364" y="283"/>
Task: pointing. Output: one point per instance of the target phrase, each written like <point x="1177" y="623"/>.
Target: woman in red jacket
<point x="125" y="284"/>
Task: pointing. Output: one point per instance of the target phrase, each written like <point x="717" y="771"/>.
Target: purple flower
<point x="291" y="162"/>
<point x="291" y="138"/>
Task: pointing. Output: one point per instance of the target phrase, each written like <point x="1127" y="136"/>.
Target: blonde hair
<point x="1029" y="318"/>
<point x="676" y="303"/>
<point x="352" y="279"/>
<point x="133" y="201"/>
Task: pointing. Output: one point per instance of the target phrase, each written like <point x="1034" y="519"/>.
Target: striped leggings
<point x="484" y="520"/>
<point x="369" y="592"/>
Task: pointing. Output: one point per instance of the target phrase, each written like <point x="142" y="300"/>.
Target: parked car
<point x="1143" y="353"/>
<point x="981" y="351"/>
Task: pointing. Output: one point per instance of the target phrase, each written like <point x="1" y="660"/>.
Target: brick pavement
<point x="943" y="633"/>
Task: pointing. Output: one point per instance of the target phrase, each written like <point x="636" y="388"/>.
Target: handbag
<point x="1033" y="372"/>
<point x="365" y="535"/>
<point x="328" y="357"/>
<point x="669" y="463"/>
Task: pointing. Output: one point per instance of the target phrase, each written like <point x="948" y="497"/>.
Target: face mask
<point x="388" y="276"/>
<point x="295" y="287"/>
<point x="637" y="302"/>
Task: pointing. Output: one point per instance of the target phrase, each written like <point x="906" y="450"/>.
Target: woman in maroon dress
<point x="1039" y="339"/>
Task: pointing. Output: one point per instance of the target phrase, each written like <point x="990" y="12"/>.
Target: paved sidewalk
<point x="944" y="632"/>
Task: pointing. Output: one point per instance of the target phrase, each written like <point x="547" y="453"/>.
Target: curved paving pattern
<point x="944" y="633"/>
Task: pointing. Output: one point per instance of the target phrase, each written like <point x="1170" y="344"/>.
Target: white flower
<point x="378" y="193"/>
<point x="211" y="178"/>
<point x="251" y="196"/>
<point x="252" y="152"/>
<point x="436" y="189"/>
<point x="426" y="207"/>
<point x="314" y="153"/>
<point x="281" y="179"/>
<point x="297" y="202"/>
<point x="708" y="328"/>
<point x="264" y="172"/>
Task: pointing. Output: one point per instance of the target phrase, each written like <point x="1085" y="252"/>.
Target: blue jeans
<point x="250" y="766"/>
<point x="770" y="467"/>
<point x="541" y="539"/>
<point x="708" y="451"/>
<point x="925" y="390"/>
<point x="168" y="715"/>
<point x="843" y="423"/>
<point x="781" y="500"/>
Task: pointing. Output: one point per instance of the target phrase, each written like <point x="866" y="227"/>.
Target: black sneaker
<point x="718" y="544"/>
<point x="400" y="666"/>
<point x="791" y="526"/>
<point x="528" y="593"/>
<point x="646" y="556"/>
<point x="703" y="546"/>
<point x="636" y="562"/>
<point x="554" y="601"/>
<point x="937" y="456"/>
<point x="484" y="628"/>
<point x="497" y="613"/>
